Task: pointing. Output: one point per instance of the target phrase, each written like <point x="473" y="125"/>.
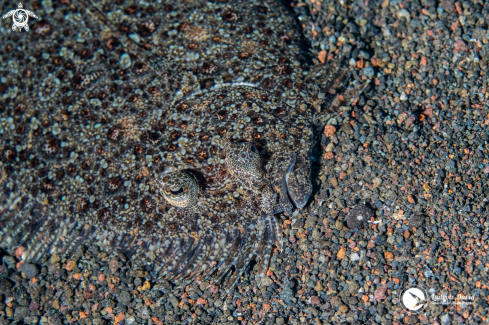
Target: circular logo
<point x="414" y="299"/>
<point x="20" y="17"/>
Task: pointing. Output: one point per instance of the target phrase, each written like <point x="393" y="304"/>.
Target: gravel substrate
<point x="399" y="198"/>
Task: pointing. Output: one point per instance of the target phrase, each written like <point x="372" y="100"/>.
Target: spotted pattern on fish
<point x="172" y="132"/>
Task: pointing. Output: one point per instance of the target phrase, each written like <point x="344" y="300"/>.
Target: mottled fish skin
<point x="119" y="124"/>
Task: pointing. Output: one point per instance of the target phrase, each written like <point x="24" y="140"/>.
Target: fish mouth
<point x="298" y="191"/>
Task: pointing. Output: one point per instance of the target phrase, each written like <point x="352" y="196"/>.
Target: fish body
<point x="170" y="131"/>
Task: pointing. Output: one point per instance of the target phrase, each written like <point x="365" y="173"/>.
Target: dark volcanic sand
<point x="413" y="149"/>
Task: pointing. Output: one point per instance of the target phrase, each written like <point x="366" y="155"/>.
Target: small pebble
<point x="266" y="281"/>
<point x="416" y="220"/>
<point x="30" y="270"/>
<point x="344" y="308"/>
<point x="354" y="257"/>
<point x="358" y="217"/>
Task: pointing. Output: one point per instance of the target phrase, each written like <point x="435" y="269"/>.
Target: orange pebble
<point x="329" y="130"/>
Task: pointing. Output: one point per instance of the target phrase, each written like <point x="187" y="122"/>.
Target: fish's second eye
<point x="244" y="161"/>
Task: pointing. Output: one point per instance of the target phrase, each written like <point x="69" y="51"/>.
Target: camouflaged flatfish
<point x="172" y="132"/>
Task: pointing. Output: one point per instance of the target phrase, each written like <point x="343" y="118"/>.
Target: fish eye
<point x="245" y="161"/>
<point x="249" y="146"/>
<point x="180" y="189"/>
<point x="245" y="165"/>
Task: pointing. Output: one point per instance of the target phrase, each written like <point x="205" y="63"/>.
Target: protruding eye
<point x="180" y="189"/>
<point x="244" y="160"/>
<point x="244" y="163"/>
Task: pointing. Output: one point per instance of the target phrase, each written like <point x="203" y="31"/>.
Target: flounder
<point x="170" y="131"/>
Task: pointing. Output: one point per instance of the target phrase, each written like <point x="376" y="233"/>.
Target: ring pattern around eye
<point x="180" y="189"/>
